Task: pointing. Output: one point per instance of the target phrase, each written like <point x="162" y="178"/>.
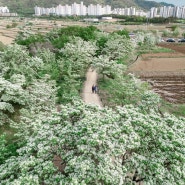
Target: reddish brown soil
<point x="164" y="71"/>
<point x="178" y="47"/>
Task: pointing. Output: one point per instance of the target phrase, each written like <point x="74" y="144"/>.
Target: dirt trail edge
<point x="88" y="98"/>
<point x="87" y="95"/>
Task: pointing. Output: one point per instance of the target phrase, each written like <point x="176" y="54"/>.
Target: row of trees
<point x="60" y="140"/>
<point x="139" y="19"/>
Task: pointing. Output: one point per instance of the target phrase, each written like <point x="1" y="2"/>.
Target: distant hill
<point x="26" y="6"/>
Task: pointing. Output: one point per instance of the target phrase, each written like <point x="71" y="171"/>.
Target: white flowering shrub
<point x="16" y="60"/>
<point x="150" y="101"/>
<point x="105" y="66"/>
<point x="115" y="52"/>
<point x="36" y="100"/>
<point x="146" y="41"/>
<point x="24" y="33"/>
<point x="3" y="149"/>
<point x="47" y="57"/>
<point x="101" y="146"/>
<point x="11" y="94"/>
<point x="41" y="102"/>
<point x="118" y="47"/>
<point x="79" y="53"/>
<point x="150" y="40"/>
<point x="139" y="37"/>
<point x="20" y="90"/>
<point x="167" y="33"/>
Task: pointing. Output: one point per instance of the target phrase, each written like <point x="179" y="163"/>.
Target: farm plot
<point x="165" y="72"/>
<point x="171" y="87"/>
<point x="8" y="34"/>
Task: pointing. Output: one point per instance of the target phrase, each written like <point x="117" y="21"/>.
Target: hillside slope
<point x="26" y="6"/>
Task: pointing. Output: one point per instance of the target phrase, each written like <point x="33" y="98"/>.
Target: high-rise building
<point x="153" y="12"/>
<point x="96" y="10"/>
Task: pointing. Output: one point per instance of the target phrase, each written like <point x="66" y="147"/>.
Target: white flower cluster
<point x="83" y="144"/>
<point x="21" y="90"/>
<point x="101" y="146"/>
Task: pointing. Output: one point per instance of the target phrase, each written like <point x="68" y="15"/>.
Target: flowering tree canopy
<point x="146" y="41"/>
<point x="118" y="47"/>
<point x="21" y="86"/>
<point x="16" y="60"/>
<point x="117" y="50"/>
<point x="79" y="53"/>
<point x="100" y="146"/>
<point x="79" y="143"/>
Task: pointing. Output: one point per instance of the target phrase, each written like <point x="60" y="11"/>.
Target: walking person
<point x="96" y="89"/>
<point x="93" y="88"/>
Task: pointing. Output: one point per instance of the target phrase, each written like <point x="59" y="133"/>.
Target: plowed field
<point x="178" y="47"/>
<point x="164" y="71"/>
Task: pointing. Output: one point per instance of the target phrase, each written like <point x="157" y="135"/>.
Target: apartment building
<point x="97" y="10"/>
<point x="74" y="9"/>
<point x="168" y="11"/>
<point x="153" y="12"/>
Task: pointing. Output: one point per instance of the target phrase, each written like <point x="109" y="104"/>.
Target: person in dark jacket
<point x="93" y="88"/>
<point x="96" y="89"/>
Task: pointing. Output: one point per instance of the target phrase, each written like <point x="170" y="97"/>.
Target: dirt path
<point x="88" y="98"/>
<point x="6" y="40"/>
<point x="87" y="95"/>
